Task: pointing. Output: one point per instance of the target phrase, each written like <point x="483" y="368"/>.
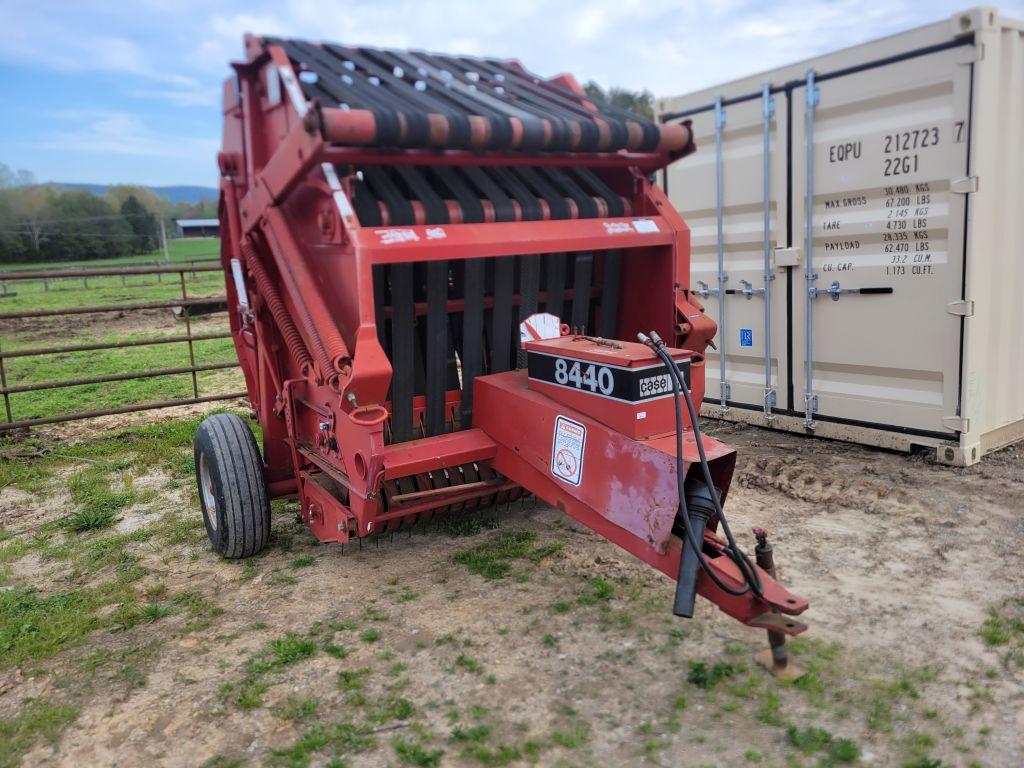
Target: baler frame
<point x="319" y="377"/>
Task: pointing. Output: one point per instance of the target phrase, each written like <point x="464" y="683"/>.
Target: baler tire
<point x="232" y="487"/>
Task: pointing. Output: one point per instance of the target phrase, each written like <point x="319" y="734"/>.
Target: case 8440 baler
<point x="453" y="283"/>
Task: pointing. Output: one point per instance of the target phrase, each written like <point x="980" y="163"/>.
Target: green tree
<point x="31" y="207"/>
<point x="85" y="226"/>
<point x="142" y="223"/>
<point x="638" y="102"/>
<point x="150" y="200"/>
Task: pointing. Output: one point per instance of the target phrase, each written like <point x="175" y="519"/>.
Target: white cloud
<point x="667" y="46"/>
<point x="168" y="58"/>
<point x="120" y="133"/>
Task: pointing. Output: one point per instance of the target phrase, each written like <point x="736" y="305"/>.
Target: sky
<point x="129" y="92"/>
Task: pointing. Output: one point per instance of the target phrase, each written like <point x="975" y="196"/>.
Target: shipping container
<point x="857" y="226"/>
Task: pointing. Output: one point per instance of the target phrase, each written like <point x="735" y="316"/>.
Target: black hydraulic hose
<point x="751" y="578"/>
<point x="736" y="554"/>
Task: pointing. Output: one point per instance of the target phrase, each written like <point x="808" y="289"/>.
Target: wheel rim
<point x="206" y="488"/>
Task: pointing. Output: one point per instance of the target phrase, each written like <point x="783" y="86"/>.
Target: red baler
<point x="438" y="267"/>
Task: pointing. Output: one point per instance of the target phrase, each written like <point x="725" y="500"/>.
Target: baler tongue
<point x="393" y="222"/>
<point x="591" y="429"/>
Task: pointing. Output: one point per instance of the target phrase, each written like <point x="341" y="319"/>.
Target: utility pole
<point x="163" y="240"/>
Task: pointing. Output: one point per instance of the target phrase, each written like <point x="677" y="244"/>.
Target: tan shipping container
<point x="898" y="165"/>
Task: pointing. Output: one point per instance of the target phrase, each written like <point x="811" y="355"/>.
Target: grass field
<point x="110" y="327"/>
<point x="178" y="250"/>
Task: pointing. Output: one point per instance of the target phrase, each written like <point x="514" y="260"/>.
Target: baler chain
<point x="403" y="195"/>
<point x="413" y="99"/>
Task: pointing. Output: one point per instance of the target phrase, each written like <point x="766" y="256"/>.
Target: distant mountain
<point x="173" y="194"/>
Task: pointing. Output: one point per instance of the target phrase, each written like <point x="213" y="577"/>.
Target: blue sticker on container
<point x="746" y="337"/>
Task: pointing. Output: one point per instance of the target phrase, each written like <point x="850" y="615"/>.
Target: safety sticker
<point x="618" y="227"/>
<point x="542" y="325"/>
<point x="567" y="450"/>
<point x="645" y="225"/>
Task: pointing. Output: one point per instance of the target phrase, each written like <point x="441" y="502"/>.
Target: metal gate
<point x="183" y="307"/>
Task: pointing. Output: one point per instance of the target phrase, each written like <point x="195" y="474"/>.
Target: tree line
<point x="47" y="223"/>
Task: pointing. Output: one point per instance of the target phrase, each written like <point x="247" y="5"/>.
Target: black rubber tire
<point x="226" y="452"/>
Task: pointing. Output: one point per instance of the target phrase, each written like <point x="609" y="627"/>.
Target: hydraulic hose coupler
<point x="700" y="506"/>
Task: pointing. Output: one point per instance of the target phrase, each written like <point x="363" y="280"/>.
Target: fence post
<point x="3" y="381"/>
<point x="188" y="332"/>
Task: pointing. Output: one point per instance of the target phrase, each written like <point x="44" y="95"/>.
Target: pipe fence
<point x="182" y="307"/>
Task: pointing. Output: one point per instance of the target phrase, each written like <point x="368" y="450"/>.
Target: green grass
<point x="60" y="292"/>
<point x="601" y="590"/>
<point x="469" y="524"/>
<point x="475" y="734"/>
<point x="573" y="738"/>
<point x="181" y="249"/>
<point x="1004" y="629"/>
<point x="154" y="612"/>
<point x="904" y="684"/>
<point x="34" y="627"/>
<point x="493" y="557"/>
<point x="707" y="677"/>
<point x="297" y="708"/>
<point x="99" y="504"/>
<point x="35" y="720"/>
<point x="28" y="474"/>
<point x="273" y="657"/>
<point x="502" y="755"/>
<point x="469" y="664"/>
<point x="83" y="397"/>
<point x="342" y="738"/>
<point x="414" y="753"/>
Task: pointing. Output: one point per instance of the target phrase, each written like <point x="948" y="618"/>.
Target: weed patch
<point x="601" y="590"/>
<point x="36" y="720"/>
<point x="34" y="627"/>
<point x="275" y="656"/>
<point x="414" y="753"/>
<point x="1005" y="628"/>
<point x="493" y="558"/>
<point x="812" y="740"/>
<point x="296" y="708"/>
<point x="469" y="524"/>
<point x="340" y="739"/>
<point x="707" y="677"/>
<point x="99" y="504"/>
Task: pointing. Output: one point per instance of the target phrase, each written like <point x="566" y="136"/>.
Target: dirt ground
<point x="573" y="658"/>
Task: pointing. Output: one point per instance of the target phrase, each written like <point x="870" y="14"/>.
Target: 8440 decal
<point x="626" y="384"/>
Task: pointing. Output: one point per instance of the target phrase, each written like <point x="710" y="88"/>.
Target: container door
<point x="889" y="166"/>
<point x="720" y="192"/>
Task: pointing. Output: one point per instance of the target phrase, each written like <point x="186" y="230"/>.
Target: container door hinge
<point x="964" y="186"/>
<point x="963" y="308"/>
<point x="956" y="423"/>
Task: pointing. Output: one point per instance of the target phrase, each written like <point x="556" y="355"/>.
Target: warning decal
<point x="567" y="450"/>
